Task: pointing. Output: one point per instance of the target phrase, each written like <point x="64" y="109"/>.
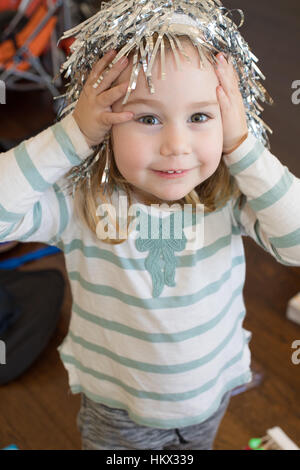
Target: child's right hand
<point x="93" y="112"/>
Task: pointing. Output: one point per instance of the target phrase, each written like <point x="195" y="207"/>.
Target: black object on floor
<point x="30" y="306"/>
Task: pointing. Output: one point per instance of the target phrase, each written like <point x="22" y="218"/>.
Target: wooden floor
<point x="38" y="411"/>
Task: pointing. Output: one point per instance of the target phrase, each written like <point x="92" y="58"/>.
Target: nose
<point x="175" y="141"/>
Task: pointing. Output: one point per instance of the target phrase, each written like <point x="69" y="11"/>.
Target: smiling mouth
<point x="171" y="174"/>
<point x="172" y="171"/>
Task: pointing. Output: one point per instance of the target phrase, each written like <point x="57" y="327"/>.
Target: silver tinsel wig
<point x="129" y="25"/>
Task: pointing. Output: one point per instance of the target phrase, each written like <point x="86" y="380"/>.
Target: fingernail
<point x="123" y="60"/>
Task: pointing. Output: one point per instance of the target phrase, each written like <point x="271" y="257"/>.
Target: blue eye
<point x="150" y="117"/>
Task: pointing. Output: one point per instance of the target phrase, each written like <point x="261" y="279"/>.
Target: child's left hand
<point x="235" y="129"/>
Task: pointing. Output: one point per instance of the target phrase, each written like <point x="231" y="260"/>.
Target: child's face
<point x="171" y="131"/>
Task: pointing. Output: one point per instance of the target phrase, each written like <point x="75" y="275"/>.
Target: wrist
<point x="90" y="143"/>
<point x="235" y="146"/>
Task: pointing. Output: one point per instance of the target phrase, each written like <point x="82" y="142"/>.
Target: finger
<point x="108" y="97"/>
<point x="226" y="75"/>
<point x="233" y="71"/>
<point x="100" y="66"/>
<point x="235" y="74"/>
<point x="111" y="75"/>
<point x="115" y="118"/>
<point x="223" y="98"/>
<point x="224" y="103"/>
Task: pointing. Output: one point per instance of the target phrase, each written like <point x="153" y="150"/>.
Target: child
<point x="155" y="343"/>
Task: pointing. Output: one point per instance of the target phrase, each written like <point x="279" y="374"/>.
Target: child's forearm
<point x="270" y="211"/>
<point x="29" y="170"/>
<point x="237" y="144"/>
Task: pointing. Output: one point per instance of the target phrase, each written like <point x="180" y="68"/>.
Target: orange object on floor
<point x="36" y="47"/>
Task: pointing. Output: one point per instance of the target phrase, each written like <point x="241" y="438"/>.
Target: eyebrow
<point x="158" y="103"/>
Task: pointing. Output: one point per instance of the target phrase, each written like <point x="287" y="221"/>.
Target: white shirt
<point x="157" y="326"/>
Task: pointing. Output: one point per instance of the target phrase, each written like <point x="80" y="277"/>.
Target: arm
<point x="32" y="206"/>
<point x="268" y="210"/>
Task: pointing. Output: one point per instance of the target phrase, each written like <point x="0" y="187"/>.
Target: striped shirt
<point x="156" y="326"/>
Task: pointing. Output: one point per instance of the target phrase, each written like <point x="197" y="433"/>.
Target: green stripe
<point x="37" y="217"/>
<point x="205" y="252"/>
<point x="5" y="234"/>
<point x="237" y="211"/>
<point x="167" y="423"/>
<point x="220" y="209"/>
<point x="28" y="169"/>
<point x="63" y="214"/>
<point x="37" y="220"/>
<point x="158" y="337"/>
<point x="157" y="303"/>
<point x="100" y="253"/>
<point x="6" y="216"/>
<point x="139" y="264"/>
<point x="173" y="397"/>
<point x="154" y="368"/>
<point x="258" y="238"/>
<point x="281" y="260"/>
<point x="236" y="230"/>
<point x="274" y="194"/>
<point x="248" y="160"/>
<point x="65" y="143"/>
<point x="287" y="241"/>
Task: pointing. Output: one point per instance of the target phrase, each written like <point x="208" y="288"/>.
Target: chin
<point x="172" y="199"/>
<point x="176" y="196"/>
<point x="165" y="200"/>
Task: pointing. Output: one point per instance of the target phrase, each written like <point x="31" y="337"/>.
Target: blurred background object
<point x="6" y="246"/>
<point x="30" y="59"/>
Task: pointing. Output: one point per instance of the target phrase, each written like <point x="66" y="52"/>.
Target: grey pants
<point x="104" y="428"/>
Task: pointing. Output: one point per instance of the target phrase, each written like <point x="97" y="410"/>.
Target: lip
<point x="171" y="175"/>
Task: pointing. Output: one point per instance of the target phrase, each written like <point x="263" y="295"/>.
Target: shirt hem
<point x="168" y="423"/>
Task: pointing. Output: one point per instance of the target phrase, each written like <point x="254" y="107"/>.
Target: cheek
<point x="211" y="144"/>
<point x="129" y="151"/>
<point x="210" y="151"/>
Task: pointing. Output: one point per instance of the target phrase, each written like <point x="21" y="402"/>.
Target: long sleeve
<point x="32" y="205"/>
<point x="268" y="210"/>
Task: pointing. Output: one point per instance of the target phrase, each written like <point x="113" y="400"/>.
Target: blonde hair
<point x="213" y="193"/>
